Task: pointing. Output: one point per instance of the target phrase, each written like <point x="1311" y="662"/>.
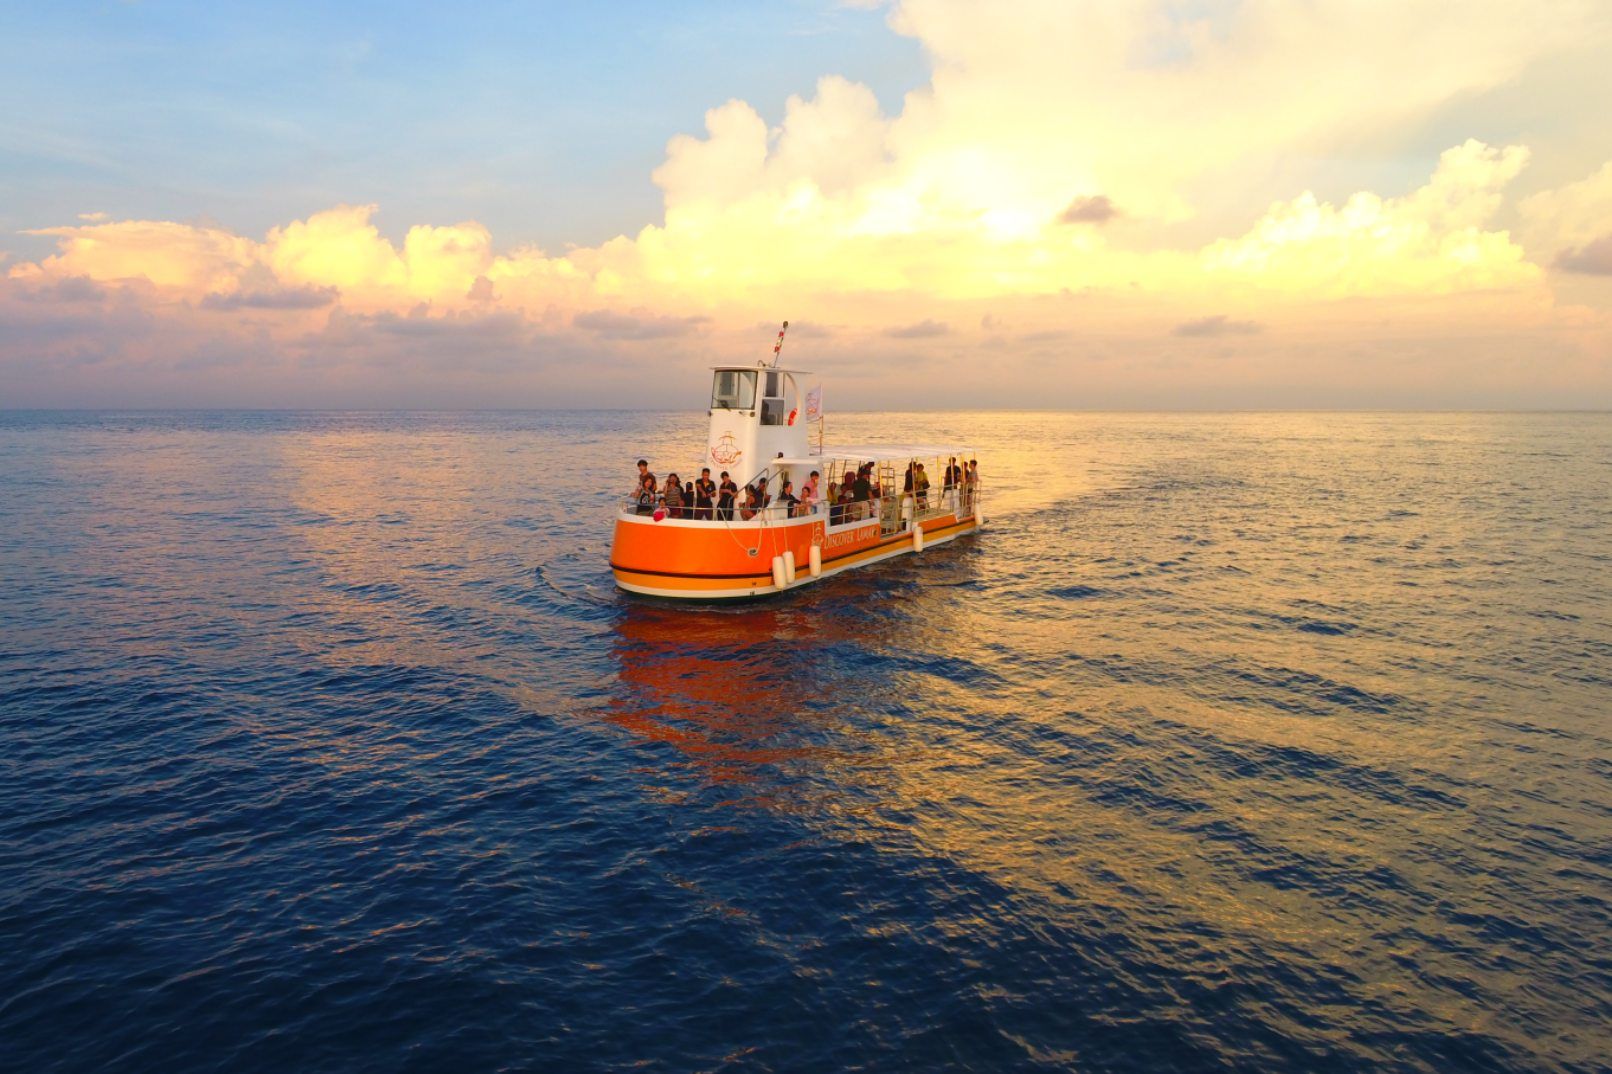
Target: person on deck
<point x="920" y="484"/>
<point x="836" y="513"/>
<point x="704" y="492"/>
<point x="646" y="495"/>
<point x="954" y="474"/>
<point x="726" y="493"/>
<point x="809" y="492"/>
<point x="788" y="500"/>
<point x="643" y="472"/>
<point x="672" y="496"/>
<point x="863" y="488"/>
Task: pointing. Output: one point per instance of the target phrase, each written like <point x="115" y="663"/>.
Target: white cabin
<point x="757" y="413"/>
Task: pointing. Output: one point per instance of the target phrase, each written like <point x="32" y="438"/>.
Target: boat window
<point x="733" y="389"/>
<point x="773" y="406"/>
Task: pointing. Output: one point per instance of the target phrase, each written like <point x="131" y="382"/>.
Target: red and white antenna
<point x="776" y="347"/>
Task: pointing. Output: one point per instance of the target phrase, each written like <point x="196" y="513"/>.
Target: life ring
<point x="792" y="414"/>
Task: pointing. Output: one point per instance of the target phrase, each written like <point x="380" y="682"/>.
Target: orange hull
<point x="725" y="560"/>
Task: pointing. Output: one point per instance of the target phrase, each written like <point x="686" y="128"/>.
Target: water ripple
<point x="1266" y="742"/>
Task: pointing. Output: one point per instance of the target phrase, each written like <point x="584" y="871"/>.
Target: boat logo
<point x="726" y="452"/>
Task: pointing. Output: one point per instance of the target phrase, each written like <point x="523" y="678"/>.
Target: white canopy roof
<point x="880" y="453"/>
<point x="759" y="367"/>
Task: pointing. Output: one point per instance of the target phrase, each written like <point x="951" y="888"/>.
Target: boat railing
<point x="903" y="506"/>
<point x="772" y="513"/>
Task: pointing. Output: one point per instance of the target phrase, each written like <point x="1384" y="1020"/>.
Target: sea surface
<point x="1275" y="742"/>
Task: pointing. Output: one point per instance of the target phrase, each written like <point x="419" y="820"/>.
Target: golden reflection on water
<point x="1122" y="762"/>
<point x="953" y="775"/>
<point x="961" y="765"/>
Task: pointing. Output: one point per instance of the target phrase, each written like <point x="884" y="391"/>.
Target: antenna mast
<point x="776" y="347"/>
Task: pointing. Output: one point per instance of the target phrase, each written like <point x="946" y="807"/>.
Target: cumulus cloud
<point x="1145" y="98"/>
<point x="1430" y="241"/>
<point x="954" y="209"/>
<point x="1563" y="224"/>
<point x="181" y="257"/>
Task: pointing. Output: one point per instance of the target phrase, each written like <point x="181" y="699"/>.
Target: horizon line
<point x="883" y="410"/>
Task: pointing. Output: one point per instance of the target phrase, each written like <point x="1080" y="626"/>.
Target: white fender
<point x="814" y="561"/>
<point x="789" y="566"/>
<point x="917" y="538"/>
<point x="979" y="517"/>
<point x="779" y="579"/>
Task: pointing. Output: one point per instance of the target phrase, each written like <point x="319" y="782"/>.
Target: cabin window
<point x="733" y="389"/>
<point x="774" y="405"/>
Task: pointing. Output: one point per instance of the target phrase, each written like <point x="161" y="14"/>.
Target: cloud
<point x="1594" y="258"/>
<point x="505" y="327"/>
<point x="1012" y="118"/>
<point x="336" y="248"/>
<point x="93" y="218"/>
<point x="954" y="209"/>
<point x="289" y="298"/>
<point x="628" y="326"/>
<point x="1089" y="210"/>
<point x="1561" y="224"/>
<point x="1217" y="325"/>
<point x="922" y="330"/>
<point x="66" y="289"/>
<point x="180" y="257"/>
<point x="1430" y="241"/>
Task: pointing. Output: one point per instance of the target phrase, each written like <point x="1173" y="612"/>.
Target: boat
<point x="912" y="497"/>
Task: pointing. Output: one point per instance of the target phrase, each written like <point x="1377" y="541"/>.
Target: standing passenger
<point x="646" y="495"/>
<point x="673" y="496"/>
<point x="727" y="492"/>
<point x="704" y="490"/>
<point x="643" y="472"/>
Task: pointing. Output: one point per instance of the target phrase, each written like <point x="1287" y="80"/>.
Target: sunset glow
<point x="1142" y="204"/>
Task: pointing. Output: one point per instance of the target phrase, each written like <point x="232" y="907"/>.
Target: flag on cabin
<point x="814" y="404"/>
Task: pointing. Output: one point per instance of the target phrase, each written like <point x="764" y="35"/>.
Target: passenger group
<point x="851" y="500"/>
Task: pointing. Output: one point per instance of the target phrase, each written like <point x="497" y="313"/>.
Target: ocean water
<point x="1275" y="742"/>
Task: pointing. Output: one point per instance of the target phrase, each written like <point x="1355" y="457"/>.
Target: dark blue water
<point x="1254" y="742"/>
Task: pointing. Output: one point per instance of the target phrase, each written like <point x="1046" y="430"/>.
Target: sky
<point x="1134" y="204"/>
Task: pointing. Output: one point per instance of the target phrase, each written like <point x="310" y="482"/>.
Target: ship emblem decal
<point x="726" y="451"/>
